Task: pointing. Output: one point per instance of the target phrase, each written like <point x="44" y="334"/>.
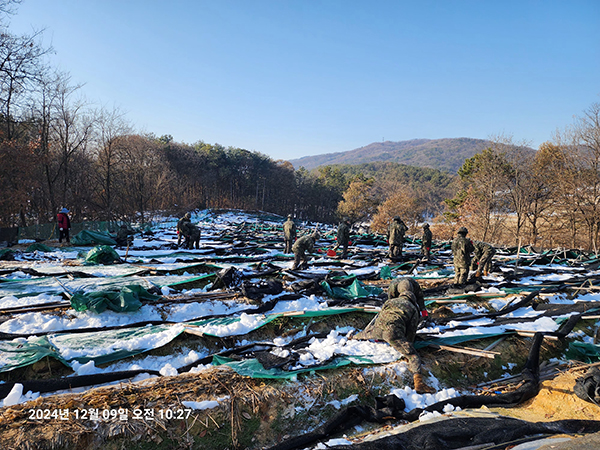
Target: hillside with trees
<point x="442" y="154"/>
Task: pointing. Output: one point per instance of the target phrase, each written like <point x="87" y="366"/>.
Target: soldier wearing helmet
<point x="397" y="324"/>
<point x="462" y="247"/>
<point x="289" y="233"/>
<point x="181" y="224"/>
<point x="396" y="232"/>
<point x="426" y="242"/>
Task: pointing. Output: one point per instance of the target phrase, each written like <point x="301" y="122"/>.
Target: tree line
<point x="58" y="150"/>
<point x="511" y="194"/>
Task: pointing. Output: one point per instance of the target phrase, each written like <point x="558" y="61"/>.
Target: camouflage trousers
<point x="461" y="275"/>
<point x="485" y="262"/>
<point x="395" y="251"/>
<point x="300" y="260"/>
<point x="396" y="324"/>
<point x="288" y="245"/>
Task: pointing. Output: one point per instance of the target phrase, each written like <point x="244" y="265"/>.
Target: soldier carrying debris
<point x="396" y="232"/>
<point x="482" y="260"/>
<point x="397" y="324"/>
<point x="289" y="233"/>
<point x="343" y="237"/>
<point x="180" y="224"/>
<point x="461" y="250"/>
<point x="301" y="247"/>
<point x="426" y="242"/>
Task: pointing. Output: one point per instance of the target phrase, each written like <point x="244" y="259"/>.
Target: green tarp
<point x="87" y="237"/>
<point x="126" y="299"/>
<point x="24" y="352"/>
<point x="582" y="351"/>
<point x="39" y="248"/>
<point x="102" y="254"/>
<point x="354" y="291"/>
<point x="107" y="346"/>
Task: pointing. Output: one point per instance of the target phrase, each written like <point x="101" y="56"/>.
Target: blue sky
<point x="305" y="77"/>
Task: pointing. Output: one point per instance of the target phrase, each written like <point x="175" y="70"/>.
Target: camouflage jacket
<point x="396" y="233"/>
<point x="427" y="236"/>
<point x="304" y="244"/>
<point x="343" y="233"/>
<point x="482" y="248"/>
<point x="181" y="223"/>
<point x="462" y="247"/>
<point x="289" y="230"/>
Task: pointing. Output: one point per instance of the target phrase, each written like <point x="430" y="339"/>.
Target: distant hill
<point x="443" y="154"/>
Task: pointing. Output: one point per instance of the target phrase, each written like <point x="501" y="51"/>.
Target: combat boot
<point x="420" y="386"/>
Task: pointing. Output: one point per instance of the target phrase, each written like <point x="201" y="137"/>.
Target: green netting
<point x="354" y="291"/>
<point x="87" y="237"/>
<point x="452" y="340"/>
<point x="102" y="254"/>
<point x="106" y="346"/>
<point x="582" y="351"/>
<point x="39" y="248"/>
<point x="23" y="352"/>
<point x="127" y="299"/>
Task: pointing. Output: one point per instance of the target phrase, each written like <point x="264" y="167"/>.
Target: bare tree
<point x="111" y="125"/>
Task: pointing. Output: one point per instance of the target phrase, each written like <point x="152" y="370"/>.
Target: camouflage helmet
<point x="462" y="230"/>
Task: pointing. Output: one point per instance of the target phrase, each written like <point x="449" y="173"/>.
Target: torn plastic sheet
<point x="51" y="285"/>
<point x="24" y="352"/>
<point x="107" y="346"/>
<point x="230" y="326"/>
<point x="583" y="351"/>
<point x="126" y="299"/>
<point x="88" y="237"/>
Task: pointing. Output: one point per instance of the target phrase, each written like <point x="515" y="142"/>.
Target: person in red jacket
<point x="64" y="225"/>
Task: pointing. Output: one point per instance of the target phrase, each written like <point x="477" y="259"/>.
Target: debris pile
<point x="153" y="314"/>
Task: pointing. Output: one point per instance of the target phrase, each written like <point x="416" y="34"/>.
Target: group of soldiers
<point x="481" y="262"/>
<point x="305" y="244"/>
<point x="404" y="310"/>
<point x="189" y="232"/>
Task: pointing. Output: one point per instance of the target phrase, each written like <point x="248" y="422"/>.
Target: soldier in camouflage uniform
<point x="343" y="237"/>
<point x="482" y="260"/>
<point x="396" y="232"/>
<point x="289" y="233"/>
<point x="192" y="235"/>
<point x="397" y="324"/>
<point x="180" y="224"/>
<point x="301" y="247"/>
<point x="461" y="250"/>
<point x="426" y="242"/>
